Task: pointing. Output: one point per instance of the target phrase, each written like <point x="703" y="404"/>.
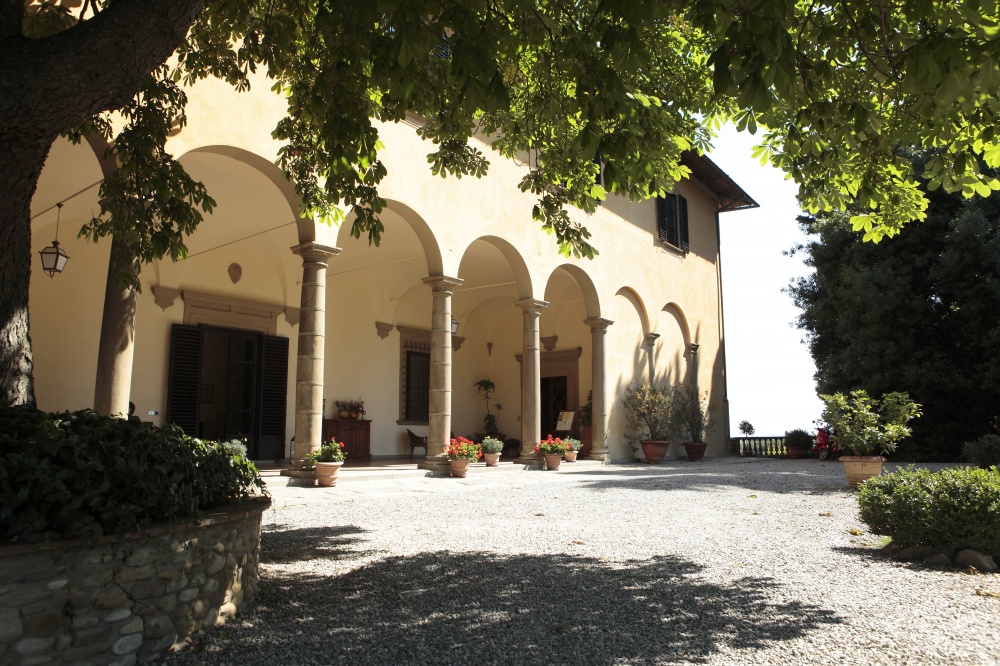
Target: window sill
<point x="670" y="247"/>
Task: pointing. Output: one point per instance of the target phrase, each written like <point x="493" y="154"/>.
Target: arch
<point x="591" y="301"/>
<point x="518" y="266"/>
<point x="632" y="297"/>
<point x="305" y="225"/>
<point x="425" y="235"/>
<point x="675" y="311"/>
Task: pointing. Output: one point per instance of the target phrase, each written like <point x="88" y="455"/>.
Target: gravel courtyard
<point x="727" y="561"/>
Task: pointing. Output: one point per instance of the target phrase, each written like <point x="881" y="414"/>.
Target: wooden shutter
<point x="273" y="398"/>
<point x="682" y="218"/>
<point x="184" y="378"/>
<point x="661" y="218"/>
<point x="418" y="384"/>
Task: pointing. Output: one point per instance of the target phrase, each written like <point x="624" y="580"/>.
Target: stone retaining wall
<point x="131" y="597"/>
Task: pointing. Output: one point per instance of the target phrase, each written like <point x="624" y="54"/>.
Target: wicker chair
<point x="415" y="441"/>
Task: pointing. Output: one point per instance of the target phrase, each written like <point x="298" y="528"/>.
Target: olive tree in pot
<point x="690" y="419"/>
<point x="868" y="428"/>
<point x="647" y="415"/>
<point x="797" y="442"/>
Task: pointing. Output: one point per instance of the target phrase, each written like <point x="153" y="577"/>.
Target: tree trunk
<point x="114" y="357"/>
<point x="48" y="86"/>
<point x="21" y="159"/>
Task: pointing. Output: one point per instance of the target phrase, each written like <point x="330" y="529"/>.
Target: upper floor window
<point x="672" y="221"/>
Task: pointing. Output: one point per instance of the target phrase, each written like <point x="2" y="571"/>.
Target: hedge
<point x="78" y="474"/>
<point x="955" y="508"/>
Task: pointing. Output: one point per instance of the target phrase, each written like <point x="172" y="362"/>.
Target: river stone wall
<point x="131" y="597"/>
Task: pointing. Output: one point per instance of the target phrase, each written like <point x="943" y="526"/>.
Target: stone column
<point x="694" y="366"/>
<point x="114" y="355"/>
<point x="650" y="343"/>
<point x="598" y="395"/>
<point x="439" y="399"/>
<point x="309" y="365"/>
<point x="531" y="376"/>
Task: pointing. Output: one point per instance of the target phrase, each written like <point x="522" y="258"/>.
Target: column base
<point x="437" y="464"/>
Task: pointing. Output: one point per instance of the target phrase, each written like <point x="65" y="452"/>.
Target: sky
<point x="770" y="371"/>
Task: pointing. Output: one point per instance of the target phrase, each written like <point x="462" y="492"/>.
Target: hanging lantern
<point x="54" y="258"/>
<point x="454" y="326"/>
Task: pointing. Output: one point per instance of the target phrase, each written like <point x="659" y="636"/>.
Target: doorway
<point x="229" y="384"/>
<point x="555" y="399"/>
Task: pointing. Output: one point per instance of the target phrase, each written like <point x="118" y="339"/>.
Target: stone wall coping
<point x="217" y="516"/>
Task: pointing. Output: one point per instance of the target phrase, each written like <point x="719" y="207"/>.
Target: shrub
<point x="492" y="445"/>
<point x="81" y="475"/>
<point x="984" y="451"/>
<point x="955" y="508"/>
<point x="866" y="426"/>
<point x="799" y="438"/>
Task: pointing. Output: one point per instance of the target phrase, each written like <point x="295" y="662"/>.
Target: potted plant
<point x="647" y="414"/>
<point x="461" y="452"/>
<point x="491" y="421"/>
<point x="573" y="447"/>
<point x="868" y="428"/>
<point x="328" y="461"/>
<point x="797" y="442"/>
<point x="747" y="430"/>
<point x="690" y="419"/>
<point x="492" y="448"/>
<point x="343" y="408"/>
<point x="586" y="425"/>
<point x="553" y="451"/>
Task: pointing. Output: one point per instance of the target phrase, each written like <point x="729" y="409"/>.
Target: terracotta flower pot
<point x="794" y="452"/>
<point x="460" y="467"/>
<point x="654" y="450"/>
<point x="860" y="468"/>
<point x="491" y="459"/>
<point x="571" y="456"/>
<point x="328" y="473"/>
<point x="552" y="460"/>
<point x="695" y="450"/>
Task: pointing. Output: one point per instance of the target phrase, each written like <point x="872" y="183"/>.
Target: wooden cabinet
<point x="356" y="434"/>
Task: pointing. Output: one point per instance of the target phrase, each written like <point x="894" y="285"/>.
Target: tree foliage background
<point x="834" y="88"/>
<point x="919" y="314"/>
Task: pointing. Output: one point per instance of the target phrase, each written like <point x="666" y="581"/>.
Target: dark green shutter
<point x="682" y="218"/>
<point x="184" y="378"/>
<point x="273" y="398"/>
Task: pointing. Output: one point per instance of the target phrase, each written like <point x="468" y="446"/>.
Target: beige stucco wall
<point x="479" y="230"/>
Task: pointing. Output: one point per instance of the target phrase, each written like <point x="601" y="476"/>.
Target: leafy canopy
<point x="835" y="89"/>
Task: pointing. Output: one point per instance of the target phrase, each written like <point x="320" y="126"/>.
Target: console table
<point x="356" y="434"/>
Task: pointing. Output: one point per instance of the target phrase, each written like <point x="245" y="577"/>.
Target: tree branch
<point x="95" y="66"/>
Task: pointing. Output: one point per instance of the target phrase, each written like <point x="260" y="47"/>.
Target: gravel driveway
<point x="727" y="561"/>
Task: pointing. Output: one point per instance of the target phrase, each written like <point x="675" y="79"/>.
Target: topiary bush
<point x="954" y="508"/>
<point x="81" y="475"/>
<point x="984" y="451"/>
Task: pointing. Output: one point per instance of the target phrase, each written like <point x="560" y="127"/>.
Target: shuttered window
<point x="672" y="221"/>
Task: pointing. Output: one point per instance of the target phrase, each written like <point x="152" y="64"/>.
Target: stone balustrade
<point x="129" y="597"/>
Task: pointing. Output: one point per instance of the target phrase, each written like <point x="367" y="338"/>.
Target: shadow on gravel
<point x="812" y="477"/>
<point x="481" y="608"/>
<point x="281" y="544"/>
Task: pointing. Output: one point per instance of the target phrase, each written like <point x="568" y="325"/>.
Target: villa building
<point x="271" y="317"/>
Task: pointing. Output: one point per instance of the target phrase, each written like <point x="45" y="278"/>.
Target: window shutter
<point x="663" y="205"/>
<point x="682" y="217"/>
<point x="670" y="221"/>
<point x="418" y="384"/>
<point x="273" y="398"/>
<point x="184" y="378"/>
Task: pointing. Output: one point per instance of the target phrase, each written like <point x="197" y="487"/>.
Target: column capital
<point x="530" y="304"/>
<point x="651" y="338"/>
<point x="442" y="282"/>
<point x="313" y="251"/>
<point x="598" y="324"/>
<point x="694" y="347"/>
